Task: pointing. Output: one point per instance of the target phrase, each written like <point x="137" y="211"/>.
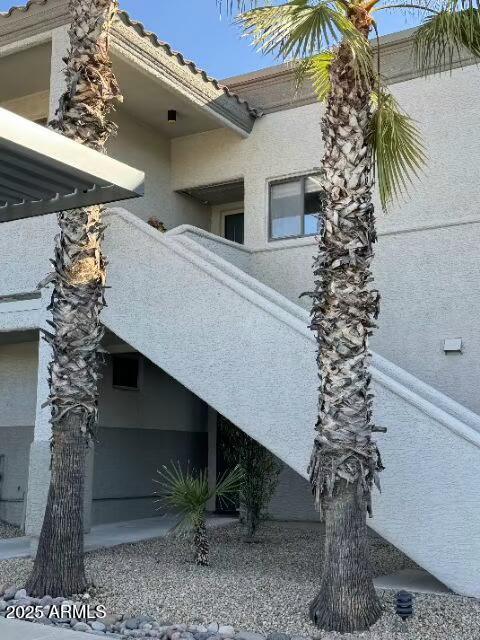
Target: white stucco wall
<point x="280" y="145"/>
<point x="139" y="431"/>
<point x="142" y="147"/>
<point x="160" y="402"/>
<point x="18" y="384"/>
<point x="18" y="390"/>
<point x="426" y="275"/>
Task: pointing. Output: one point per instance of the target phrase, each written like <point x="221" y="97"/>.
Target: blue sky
<point x="194" y="27"/>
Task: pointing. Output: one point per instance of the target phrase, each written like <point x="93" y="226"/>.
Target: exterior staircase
<point x="187" y="301"/>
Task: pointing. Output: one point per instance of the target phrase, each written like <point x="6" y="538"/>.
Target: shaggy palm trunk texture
<point x="200" y="544"/>
<point x="345" y="461"/>
<point x="77" y="300"/>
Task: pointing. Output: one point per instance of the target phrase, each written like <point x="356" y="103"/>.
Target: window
<point x="296" y="207"/>
<point x="125" y="369"/>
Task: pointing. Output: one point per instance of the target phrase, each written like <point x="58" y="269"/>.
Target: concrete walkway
<point x="417" y="580"/>
<point x="17" y="630"/>
<point x="110" y="535"/>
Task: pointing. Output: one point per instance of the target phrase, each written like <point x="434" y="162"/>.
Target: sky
<point x="195" y="28"/>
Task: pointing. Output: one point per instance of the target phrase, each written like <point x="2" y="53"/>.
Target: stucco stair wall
<point x="246" y="351"/>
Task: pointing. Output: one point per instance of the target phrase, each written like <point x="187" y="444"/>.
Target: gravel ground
<point x="9" y="531"/>
<point x="261" y="587"/>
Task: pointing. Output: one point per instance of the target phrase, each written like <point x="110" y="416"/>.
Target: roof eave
<point x="143" y="48"/>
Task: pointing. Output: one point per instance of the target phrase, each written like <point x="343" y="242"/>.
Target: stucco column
<point x="60" y="44"/>
<point x="212" y="453"/>
<point x="39" y="466"/>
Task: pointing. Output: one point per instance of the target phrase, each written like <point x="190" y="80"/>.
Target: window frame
<point x="272" y="183"/>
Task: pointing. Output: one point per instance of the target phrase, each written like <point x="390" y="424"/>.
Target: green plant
<point x="188" y="492"/>
<point x="260" y="472"/>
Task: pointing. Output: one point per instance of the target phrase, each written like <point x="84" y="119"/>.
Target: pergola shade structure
<point x="44" y="172"/>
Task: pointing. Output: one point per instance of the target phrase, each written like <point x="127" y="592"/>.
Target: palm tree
<point x="77" y="300"/>
<point x="187" y="494"/>
<point x="366" y="139"/>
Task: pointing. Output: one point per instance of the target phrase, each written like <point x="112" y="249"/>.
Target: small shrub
<point x="260" y="470"/>
<point x="187" y="493"/>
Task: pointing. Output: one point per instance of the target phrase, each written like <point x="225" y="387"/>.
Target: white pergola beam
<point x="44" y="172"/>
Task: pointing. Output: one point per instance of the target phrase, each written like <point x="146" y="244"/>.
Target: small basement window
<point x="296" y="207"/>
<point x="125" y="370"/>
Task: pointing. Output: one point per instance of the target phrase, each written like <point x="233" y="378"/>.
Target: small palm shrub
<point x="187" y="493"/>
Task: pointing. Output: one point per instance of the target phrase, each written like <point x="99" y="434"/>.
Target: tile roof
<point x="154" y="39"/>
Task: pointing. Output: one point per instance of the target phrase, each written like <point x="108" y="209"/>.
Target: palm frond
<point x="183" y="490"/>
<point x="409" y="7"/>
<point x="398" y="151"/>
<point x="297" y="29"/>
<point x="444" y="37"/>
<point x="229" y="482"/>
<point x="187" y="492"/>
<point x="231" y="6"/>
<point x="317" y="70"/>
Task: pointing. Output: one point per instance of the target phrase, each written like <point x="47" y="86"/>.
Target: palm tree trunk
<point x="200" y="544"/>
<point x="59" y="567"/>
<point x="347" y="600"/>
<point x="77" y="300"/>
<point x="345" y="460"/>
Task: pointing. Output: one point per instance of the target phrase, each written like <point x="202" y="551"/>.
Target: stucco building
<point x="207" y="319"/>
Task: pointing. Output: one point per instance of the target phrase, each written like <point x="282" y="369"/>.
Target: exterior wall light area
<point x="172" y="116"/>
<point x="453" y="345"/>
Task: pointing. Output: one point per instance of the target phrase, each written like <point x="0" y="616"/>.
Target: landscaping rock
<point x="109" y="620"/>
<point x="248" y="635"/>
<point x="275" y="611"/>
<point x="10" y="593"/>
<point x="132" y="623"/>
<point x="81" y="626"/>
<point x="276" y="635"/>
<point x="20" y="594"/>
<point x="98" y="626"/>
